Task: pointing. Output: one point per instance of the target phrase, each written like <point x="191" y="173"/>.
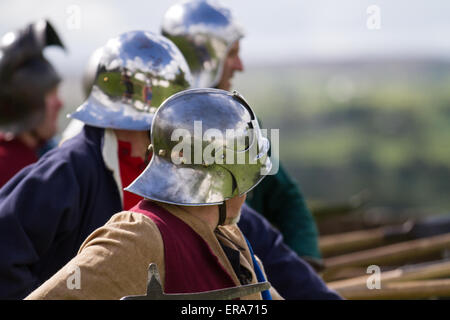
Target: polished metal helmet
<point x="204" y="31"/>
<point x="136" y="72"/>
<point x="26" y="76"/>
<point x="222" y="152"/>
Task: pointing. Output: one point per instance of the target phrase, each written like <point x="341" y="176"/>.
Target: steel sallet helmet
<point x="176" y="176"/>
<point x="204" y="31"/>
<point x="26" y="76"/>
<point x="136" y="72"/>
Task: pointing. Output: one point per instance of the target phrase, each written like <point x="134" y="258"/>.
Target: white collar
<point x="111" y="157"/>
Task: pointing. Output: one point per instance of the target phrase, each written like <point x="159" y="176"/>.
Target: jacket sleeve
<point x="102" y="268"/>
<point x="292" y="277"/>
<point x="35" y="211"/>
<point x="280" y="201"/>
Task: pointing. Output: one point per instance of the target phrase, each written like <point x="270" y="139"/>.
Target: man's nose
<point x="237" y="64"/>
<point x="59" y="103"/>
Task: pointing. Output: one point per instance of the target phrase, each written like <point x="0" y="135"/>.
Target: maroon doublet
<point x="190" y="264"/>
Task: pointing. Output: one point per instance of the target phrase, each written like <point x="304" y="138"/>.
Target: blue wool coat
<point x="49" y="208"/>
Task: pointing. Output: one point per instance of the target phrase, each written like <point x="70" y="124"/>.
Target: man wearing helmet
<point x="184" y="225"/>
<point x="232" y="64"/>
<point x="209" y="38"/>
<point x="208" y="35"/>
<point x="50" y="207"/>
<point x="29" y="101"/>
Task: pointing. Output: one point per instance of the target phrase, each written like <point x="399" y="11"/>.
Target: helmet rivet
<point x="162" y="152"/>
<point x="105" y="79"/>
<point x="150" y="147"/>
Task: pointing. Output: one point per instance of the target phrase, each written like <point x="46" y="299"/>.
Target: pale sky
<point x="281" y="30"/>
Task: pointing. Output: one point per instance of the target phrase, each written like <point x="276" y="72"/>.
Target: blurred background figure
<point x="29" y="99"/>
<point x="209" y="37"/>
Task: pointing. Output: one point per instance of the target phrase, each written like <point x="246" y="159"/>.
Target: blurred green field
<point x="381" y="126"/>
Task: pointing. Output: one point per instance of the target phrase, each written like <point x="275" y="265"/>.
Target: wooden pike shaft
<point x="422" y="289"/>
<point x="350" y="241"/>
<point x="421" y="272"/>
<point x="389" y="254"/>
<point x="363" y="239"/>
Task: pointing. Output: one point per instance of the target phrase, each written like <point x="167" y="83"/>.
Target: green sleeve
<point x="279" y="199"/>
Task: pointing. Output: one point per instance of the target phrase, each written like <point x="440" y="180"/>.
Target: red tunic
<point x="14" y="155"/>
<point x="130" y="169"/>
<point x="190" y="264"/>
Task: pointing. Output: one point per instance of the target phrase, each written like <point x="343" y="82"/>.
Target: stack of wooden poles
<point x="385" y="262"/>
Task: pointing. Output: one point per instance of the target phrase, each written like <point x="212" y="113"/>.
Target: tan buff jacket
<point x="113" y="261"/>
